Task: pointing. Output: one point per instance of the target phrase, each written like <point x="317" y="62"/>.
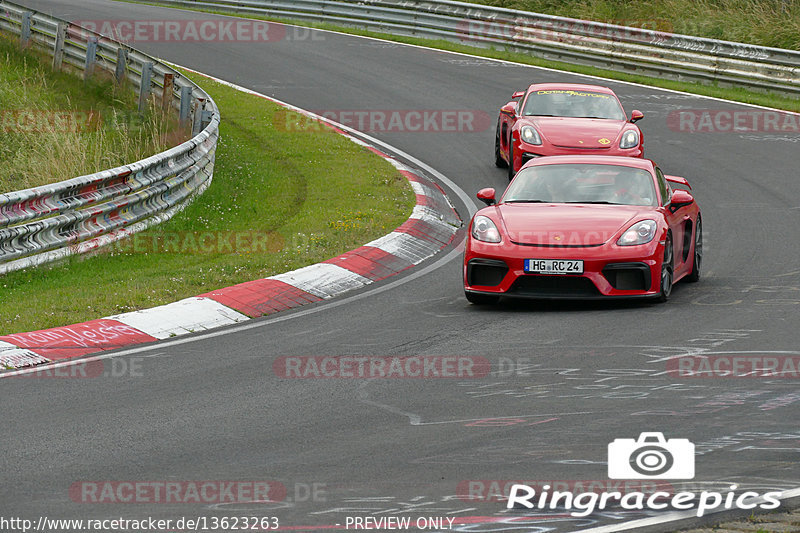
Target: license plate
<point x="553" y="266"/>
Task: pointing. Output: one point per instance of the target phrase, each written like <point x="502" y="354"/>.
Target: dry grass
<point x="55" y="127"/>
<point x="309" y="195"/>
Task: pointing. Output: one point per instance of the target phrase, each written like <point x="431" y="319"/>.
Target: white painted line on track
<point x="501" y="61"/>
<point x="423" y="271"/>
<point x="251" y="324"/>
<point x="450" y="184"/>
<point x="412" y="249"/>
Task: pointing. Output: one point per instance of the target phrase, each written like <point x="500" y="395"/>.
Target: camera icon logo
<point x="651" y="457"/>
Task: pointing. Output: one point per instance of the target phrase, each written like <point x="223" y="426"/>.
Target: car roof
<point x="569" y="87"/>
<point x="634" y="162"/>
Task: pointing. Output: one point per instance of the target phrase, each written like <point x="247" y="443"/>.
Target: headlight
<point x="640" y="233"/>
<point x="483" y="229"/>
<point x="529" y="135"/>
<point x="629" y="139"/>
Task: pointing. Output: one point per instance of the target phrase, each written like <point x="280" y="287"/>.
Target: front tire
<point x="510" y="158"/>
<point x="667" y="271"/>
<point x="499" y="162"/>
<point x="697" y="263"/>
<point x="481" y="299"/>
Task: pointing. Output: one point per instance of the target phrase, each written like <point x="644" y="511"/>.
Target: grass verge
<point x="773" y="23"/>
<point x="55" y="126"/>
<point x="727" y="93"/>
<point x="291" y="197"/>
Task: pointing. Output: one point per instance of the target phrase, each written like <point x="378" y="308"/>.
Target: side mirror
<point x="518" y="94"/>
<point x="509" y="109"/>
<point x="678" y="180"/>
<point x="636" y="115"/>
<point x="486" y="196"/>
<point x="680" y="198"/>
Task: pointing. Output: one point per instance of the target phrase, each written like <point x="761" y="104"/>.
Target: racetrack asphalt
<point x="570" y="377"/>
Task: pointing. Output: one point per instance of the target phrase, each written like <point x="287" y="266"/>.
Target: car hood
<point x="566" y="224"/>
<point x="589" y="133"/>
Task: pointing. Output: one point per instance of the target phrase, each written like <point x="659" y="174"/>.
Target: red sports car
<point x="582" y="227"/>
<point x="562" y="119"/>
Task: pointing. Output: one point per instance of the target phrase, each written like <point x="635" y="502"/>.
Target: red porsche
<point x="584" y="227"/>
<point x="561" y="119"/>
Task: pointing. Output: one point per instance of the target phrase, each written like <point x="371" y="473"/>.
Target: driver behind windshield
<point x="601" y="184"/>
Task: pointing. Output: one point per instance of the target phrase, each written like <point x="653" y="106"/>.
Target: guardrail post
<point x="122" y="65"/>
<point x="91" y="58"/>
<point x="197" y="119"/>
<point x="58" y="50"/>
<point x="25" y="34"/>
<point x="186" y="104"/>
<point x="166" y="93"/>
<point x="205" y="118"/>
<point x="144" y="87"/>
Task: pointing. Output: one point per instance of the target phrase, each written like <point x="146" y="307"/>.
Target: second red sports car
<point x="561" y="119"/>
<point x="584" y="227"/>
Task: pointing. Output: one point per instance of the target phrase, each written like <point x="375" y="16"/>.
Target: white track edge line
<point x="463" y="196"/>
<point x="455" y="188"/>
<point x="464" y="54"/>
<point x="470" y="205"/>
<point x="251" y="324"/>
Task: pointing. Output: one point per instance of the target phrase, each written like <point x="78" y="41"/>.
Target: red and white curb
<point x="431" y="227"/>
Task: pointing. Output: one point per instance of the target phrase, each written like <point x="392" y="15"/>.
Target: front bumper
<point x="610" y="271"/>
<point x="524" y="152"/>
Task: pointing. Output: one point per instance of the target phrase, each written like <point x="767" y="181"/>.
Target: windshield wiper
<point x="589" y="202"/>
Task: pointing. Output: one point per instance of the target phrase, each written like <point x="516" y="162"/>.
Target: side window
<point x="663" y="187"/>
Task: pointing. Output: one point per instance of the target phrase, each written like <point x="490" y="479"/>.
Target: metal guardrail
<point x="46" y="223"/>
<point x="635" y="50"/>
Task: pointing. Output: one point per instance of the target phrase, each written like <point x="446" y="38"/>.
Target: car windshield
<point x="582" y="184"/>
<point x="574" y="104"/>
